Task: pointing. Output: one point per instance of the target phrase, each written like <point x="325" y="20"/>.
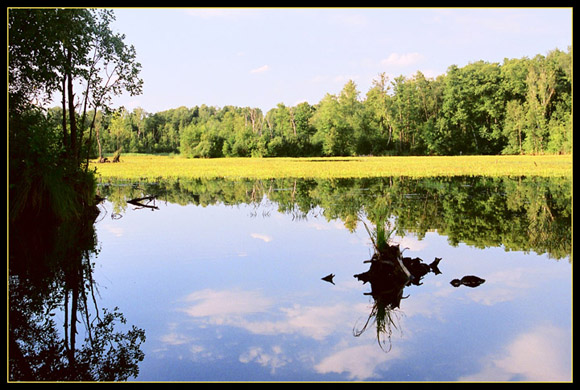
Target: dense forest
<point x="522" y="106"/>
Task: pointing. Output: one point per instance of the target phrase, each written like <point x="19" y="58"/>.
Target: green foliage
<point x="522" y="106"/>
<point x="42" y="184"/>
<point x="55" y="51"/>
<point x="75" y="48"/>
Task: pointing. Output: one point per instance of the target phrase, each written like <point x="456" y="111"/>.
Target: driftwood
<point x="139" y="202"/>
<point x="116" y="158"/>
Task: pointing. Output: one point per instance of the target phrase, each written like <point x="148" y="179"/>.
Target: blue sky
<point x="260" y="57"/>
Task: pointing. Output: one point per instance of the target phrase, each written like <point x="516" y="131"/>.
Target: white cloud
<point x="542" y="354"/>
<point x="175" y="339"/>
<point x="233" y="307"/>
<point x="261" y="69"/>
<point x="358" y="362"/>
<point x="316" y="322"/>
<point x="335" y="224"/>
<point x="274" y="360"/>
<point x="115" y="230"/>
<point x="262" y="237"/>
<point x="220" y="304"/>
<point x="396" y="59"/>
<point x="510" y="284"/>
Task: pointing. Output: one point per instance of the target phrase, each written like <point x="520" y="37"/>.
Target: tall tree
<point x="112" y="69"/>
<point x="75" y="47"/>
<point x="332" y="133"/>
<point x="377" y="107"/>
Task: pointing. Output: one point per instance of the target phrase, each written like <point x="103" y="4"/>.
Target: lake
<point x="228" y="279"/>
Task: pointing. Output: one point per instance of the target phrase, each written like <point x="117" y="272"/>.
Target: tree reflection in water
<point x="51" y="287"/>
<point x="516" y="213"/>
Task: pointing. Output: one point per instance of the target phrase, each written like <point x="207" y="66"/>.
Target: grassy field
<point x="151" y="167"/>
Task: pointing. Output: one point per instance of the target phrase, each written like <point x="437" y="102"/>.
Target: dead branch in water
<point x="138" y="202"/>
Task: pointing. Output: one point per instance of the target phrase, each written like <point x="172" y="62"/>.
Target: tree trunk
<point x="71" y="110"/>
<point x="64" y="132"/>
<point x="90" y="139"/>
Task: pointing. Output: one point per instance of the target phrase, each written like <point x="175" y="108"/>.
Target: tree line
<point x="522" y="106"/>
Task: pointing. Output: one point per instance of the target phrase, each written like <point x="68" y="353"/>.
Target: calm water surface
<point x="225" y="278"/>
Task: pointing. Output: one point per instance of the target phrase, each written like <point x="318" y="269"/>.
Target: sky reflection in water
<point x="235" y="293"/>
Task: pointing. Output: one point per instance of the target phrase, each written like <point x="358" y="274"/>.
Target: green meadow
<point x="151" y="167"/>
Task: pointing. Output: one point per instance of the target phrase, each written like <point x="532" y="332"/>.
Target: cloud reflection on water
<point x="238" y="296"/>
<point x="540" y="354"/>
<point x="242" y="309"/>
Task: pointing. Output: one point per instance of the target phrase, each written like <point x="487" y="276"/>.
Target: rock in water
<point x="328" y="278"/>
<point x="468" y="280"/>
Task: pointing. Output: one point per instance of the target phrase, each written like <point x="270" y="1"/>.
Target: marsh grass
<point x="379" y="236"/>
<point x="153" y="167"/>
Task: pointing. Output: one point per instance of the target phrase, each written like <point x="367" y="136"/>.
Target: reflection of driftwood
<point x="386" y="264"/>
<point x="329" y="278"/>
<point x="139" y="202"/>
<point x="388" y="275"/>
<point x="469" y="281"/>
<point x="418" y="269"/>
<point x="389" y="264"/>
